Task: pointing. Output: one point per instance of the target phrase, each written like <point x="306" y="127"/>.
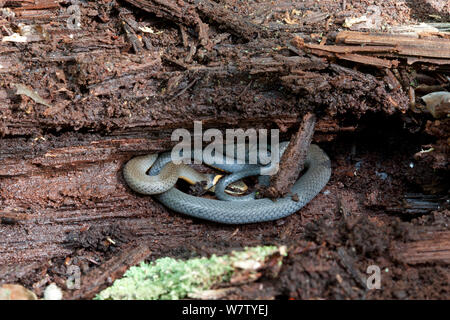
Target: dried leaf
<point x="438" y="103"/>
<point x="21" y="89"/>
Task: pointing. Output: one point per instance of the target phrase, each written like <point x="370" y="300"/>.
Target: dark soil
<point x="64" y="202"/>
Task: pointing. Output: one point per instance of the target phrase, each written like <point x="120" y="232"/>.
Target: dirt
<point x="63" y="200"/>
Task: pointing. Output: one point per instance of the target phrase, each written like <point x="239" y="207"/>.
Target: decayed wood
<point x="179" y="12"/>
<point x="142" y="104"/>
<point x="434" y="247"/>
<point x="52" y="186"/>
<point x="138" y="79"/>
<point x="109" y="271"/>
<point x="435" y="51"/>
<point x="37" y="5"/>
<point x="188" y="12"/>
<point x="60" y="166"/>
<point x="402" y="45"/>
<point x="368" y="60"/>
<point x="293" y="160"/>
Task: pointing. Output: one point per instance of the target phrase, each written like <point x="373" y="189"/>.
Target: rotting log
<point x="60" y="166"/>
<point x="139" y="97"/>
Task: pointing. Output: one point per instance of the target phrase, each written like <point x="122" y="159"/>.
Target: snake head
<point x="236" y="188"/>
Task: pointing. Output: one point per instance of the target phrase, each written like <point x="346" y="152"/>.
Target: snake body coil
<point x="230" y="212"/>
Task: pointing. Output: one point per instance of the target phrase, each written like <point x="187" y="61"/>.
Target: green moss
<point x="169" y="278"/>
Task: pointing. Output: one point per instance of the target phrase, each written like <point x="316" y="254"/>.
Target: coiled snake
<point x="164" y="174"/>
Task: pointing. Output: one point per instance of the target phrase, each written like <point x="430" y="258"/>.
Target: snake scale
<point x="165" y="174"/>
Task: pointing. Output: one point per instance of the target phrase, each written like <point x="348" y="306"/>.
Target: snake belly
<point x="312" y="181"/>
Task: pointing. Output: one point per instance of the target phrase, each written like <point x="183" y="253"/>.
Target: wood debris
<point x="369" y="48"/>
<point x="402" y="45"/>
<point x="434" y="248"/>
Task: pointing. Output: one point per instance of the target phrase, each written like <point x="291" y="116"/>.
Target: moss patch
<point x="169" y="278"/>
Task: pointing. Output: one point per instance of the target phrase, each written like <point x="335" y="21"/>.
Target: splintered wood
<point x="292" y="161"/>
<point x="37" y="5"/>
<point x="402" y="45"/>
<point x="432" y="248"/>
<point x="366" y="48"/>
